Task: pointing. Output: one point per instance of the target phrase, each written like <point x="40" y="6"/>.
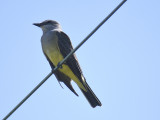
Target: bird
<point x="56" y="45"/>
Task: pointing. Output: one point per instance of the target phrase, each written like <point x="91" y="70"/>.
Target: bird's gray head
<point x="48" y="25"/>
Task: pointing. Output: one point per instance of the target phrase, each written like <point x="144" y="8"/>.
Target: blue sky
<point x="121" y="61"/>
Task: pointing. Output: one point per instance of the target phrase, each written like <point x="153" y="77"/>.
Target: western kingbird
<point x="56" y="45"/>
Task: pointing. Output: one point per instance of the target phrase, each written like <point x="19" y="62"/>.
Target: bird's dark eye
<point x="47" y="22"/>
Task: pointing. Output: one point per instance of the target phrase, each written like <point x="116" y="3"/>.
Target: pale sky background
<point x="121" y="61"/>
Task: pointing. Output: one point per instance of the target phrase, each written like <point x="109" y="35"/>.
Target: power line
<point x="60" y="64"/>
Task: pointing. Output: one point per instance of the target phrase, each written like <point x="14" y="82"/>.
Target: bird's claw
<point x="60" y="66"/>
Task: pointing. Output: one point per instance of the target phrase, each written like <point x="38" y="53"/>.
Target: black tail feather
<point x="91" y="97"/>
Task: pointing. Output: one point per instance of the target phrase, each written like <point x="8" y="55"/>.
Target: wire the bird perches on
<point x="18" y="105"/>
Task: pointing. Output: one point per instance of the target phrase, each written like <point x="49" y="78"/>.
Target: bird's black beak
<point x="37" y="24"/>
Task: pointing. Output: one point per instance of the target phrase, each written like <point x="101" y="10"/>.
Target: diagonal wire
<point x="60" y="64"/>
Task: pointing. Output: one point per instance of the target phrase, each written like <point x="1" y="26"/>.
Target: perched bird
<point x="56" y="45"/>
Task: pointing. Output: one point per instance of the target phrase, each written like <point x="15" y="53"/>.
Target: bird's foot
<point x="60" y="66"/>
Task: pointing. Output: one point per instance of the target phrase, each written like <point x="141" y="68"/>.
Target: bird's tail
<point x="91" y="97"/>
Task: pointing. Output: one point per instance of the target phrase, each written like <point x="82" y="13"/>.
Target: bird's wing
<point x="61" y="77"/>
<point x="65" y="47"/>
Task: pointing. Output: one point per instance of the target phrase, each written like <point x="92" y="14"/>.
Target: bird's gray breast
<point x="50" y="47"/>
<point x="49" y="41"/>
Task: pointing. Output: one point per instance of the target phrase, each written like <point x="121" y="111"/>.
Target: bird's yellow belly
<point x="56" y="57"/>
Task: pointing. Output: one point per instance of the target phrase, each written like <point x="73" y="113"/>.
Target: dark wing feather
<point x="65" y="47"/>
<point x="61" y="77"/>
<point x="66" y="80"/>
